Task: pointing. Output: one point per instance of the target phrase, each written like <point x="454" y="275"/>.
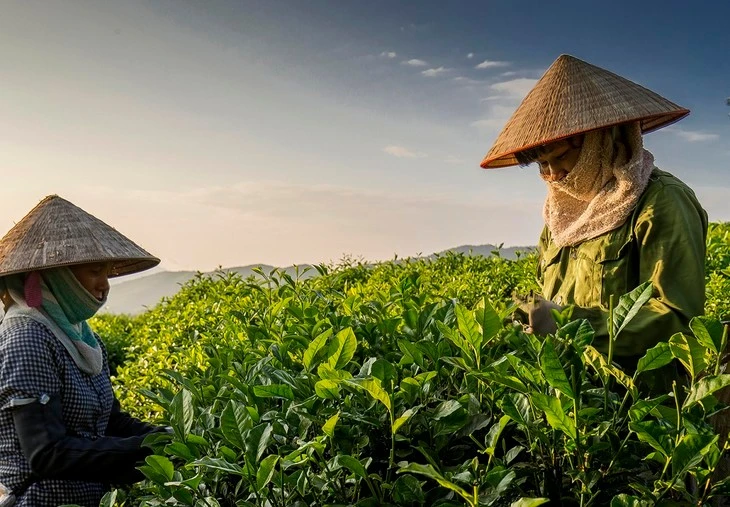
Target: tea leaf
<point x="374" y="388"/>
<point x="431" y="473"/>
<point x="407" y="490"/>
<point x="708" y="332"/>
<point x="690" y="451"/>
<point x="553" y="369"/>
<point x="642" y="408"/>
<point x="445" y="409"/>
<point x="274" y="391"/>
<point x="624" y="500"/>
<point x="266" y="471"/>
<point x="181" y="414"/>
<point x="653" y="434"/>
<point x="556" y="418"/>
<point x="517" y="406"/>
<point x="257" y="441"/>
<point x="404" y="418"/>
<point x="352" y="464"/>
<point x="529" y="502"/>
<point x="342" y="349"/>
<point x="456" y="339"/>
<point x="159" y="468"/>
<point x="235" y="422"/>
<point x="327" y="389"/>
<point x="489" y="320"/>
<point x="629" y="305"/>
<point x="329" y="427"/>
<point x="469" y="329"/>
<point x="656" y="357"/>
<point x="219" y="464"/>
<point x="314" y="347"/>
<point x="689" y="352"/>
<point x="705" y="387"/>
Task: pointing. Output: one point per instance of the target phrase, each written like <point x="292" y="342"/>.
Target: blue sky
<point x="234" y="132"/>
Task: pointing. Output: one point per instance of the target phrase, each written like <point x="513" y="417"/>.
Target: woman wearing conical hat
<point x="613" y="220"/>
<point x="63" y="436"/>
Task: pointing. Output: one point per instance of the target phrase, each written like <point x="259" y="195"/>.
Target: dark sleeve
<point x="121" y="424"/>
<point x="670" y="233"/>
<point x="53" y="454"/>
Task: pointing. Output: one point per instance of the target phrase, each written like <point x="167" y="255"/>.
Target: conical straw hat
<point x="57" y="233"/>
<point x="573" y="97"/>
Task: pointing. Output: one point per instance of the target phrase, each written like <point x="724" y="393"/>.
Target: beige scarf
<point x="601" y="191"/>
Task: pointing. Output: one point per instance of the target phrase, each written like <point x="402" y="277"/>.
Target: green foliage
<point x="406" y="383"/>
<point x="116" y="331"/>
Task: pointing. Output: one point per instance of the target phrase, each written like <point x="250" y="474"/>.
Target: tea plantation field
<point x="408" y="383"/>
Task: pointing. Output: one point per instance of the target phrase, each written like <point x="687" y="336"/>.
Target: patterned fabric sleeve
<point x="29" y="367"/>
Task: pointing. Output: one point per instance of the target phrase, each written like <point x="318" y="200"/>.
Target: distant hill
<point x="134" y="295"/>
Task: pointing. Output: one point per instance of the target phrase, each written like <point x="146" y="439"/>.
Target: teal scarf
<point x="55" y="298"/>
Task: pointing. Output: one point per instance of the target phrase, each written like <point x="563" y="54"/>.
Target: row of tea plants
<point x="408" y="383"/>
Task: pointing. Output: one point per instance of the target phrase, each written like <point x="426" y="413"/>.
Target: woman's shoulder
<point x="21" y="330"/>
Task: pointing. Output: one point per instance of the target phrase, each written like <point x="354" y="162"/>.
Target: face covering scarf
<point x="56" y="299"/>
<point x="601" y="191"/>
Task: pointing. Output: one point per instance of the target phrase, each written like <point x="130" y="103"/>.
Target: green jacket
<point x="662" y="241"/>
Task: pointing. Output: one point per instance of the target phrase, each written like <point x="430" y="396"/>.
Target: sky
<point x="232" y="132"/>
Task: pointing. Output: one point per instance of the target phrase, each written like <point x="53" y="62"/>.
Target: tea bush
<point x="406" y="383"/>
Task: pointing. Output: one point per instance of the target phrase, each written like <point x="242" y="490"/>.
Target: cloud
<point x="509" y="73"/>
<point x="451" y="159"/>
<point x="401" y="152"/>
<point x="470" y="56"/>
<point x="489" y="64"/>
<point x="497" y="116"/>
<point x="435" y="72"/>
<point x="415" y="62"/>
<point x="489" y="123"/>
<point x="514" y="88"/>
<point x="389" y="54"/>
<point x="468" y="80"/>
<point x="693" y="136"/>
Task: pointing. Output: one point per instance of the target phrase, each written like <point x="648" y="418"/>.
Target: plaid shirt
<point x="33" y="363"/>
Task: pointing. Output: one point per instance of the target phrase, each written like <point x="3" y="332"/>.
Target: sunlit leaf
<point x="489" y="320"/>
<point x="553" y="369"/>
<point x="266" y="471"/>
<point x="404" y="418"/>
<point x="375" y="389"/>
<point x="342" y="349"/>
<point x="690" y="451"/>
<point x="656" y="357"/>
<point x="629" y="305"/>
<point x="329" y="427"/>
<point x="705" y="387"/>
<point x="556" y="418"/>
<point x="708" y="332"/>
<point x="314" y="347"/>
<point x="431" y="473"/>
<point x="327" y="389"/>
<point x="181" y="414"/>
<point x="469" y="329"/>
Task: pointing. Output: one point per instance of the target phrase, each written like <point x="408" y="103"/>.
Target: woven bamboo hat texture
<point x="58" y="233"/>
<point x="574" y="97"/>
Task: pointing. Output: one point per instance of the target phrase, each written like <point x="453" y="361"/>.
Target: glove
<point x="54" y="454"/>
<point x="539" y="314"/>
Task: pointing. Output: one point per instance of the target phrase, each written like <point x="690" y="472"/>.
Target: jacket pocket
<point x="611" y="262"/>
